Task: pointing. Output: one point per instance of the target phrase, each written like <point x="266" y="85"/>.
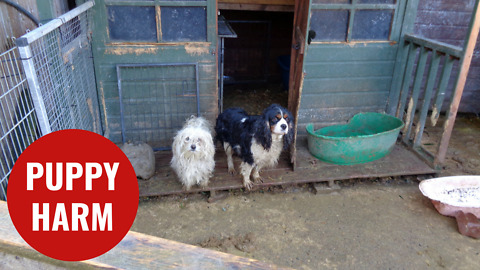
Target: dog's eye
<point x="187" y="139"/>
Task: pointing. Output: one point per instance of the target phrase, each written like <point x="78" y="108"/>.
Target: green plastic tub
<point x="366" y="137"/>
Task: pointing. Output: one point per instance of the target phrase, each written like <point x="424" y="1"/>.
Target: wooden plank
<point x="345" y="100"/>
<point x="465" y="62"/>
<point x="407" y="77"/>
<point x="432" y="77"/>
<point x="351" y="52"/>
<point x="349" y="69"/>
<point x="417" y="84"/>
<point x="274" y="8"/>
<point x="327" y="116"/>
<point x="442" y="88"/>
<point x="446" y="17"/>
<point x="308" y="170"/>
<point x="444" y="5"/>
<point x="135" y="251"/>
<point x="435" y="45"/>
<point x="398" y="75"/>
<point x="405" y="25"/>
<point x="260" y="2"/>
<point x="330" y="85"/>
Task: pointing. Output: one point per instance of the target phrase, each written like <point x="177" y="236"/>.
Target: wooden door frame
<point x="299" y="43"/>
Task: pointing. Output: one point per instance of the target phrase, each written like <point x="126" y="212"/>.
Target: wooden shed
<point x="157" y="62"/>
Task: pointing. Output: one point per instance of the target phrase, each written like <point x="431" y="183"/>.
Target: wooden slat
<point x="259" y="2"/>
<point x="353" y="6"/>
<point x="356" y="52"/>
<point x="253" y="7"/>
<point x="442" y="88"/>
<point x="344" y="100"/>
<point x="417" y="84"/>
<point x="432" y="76"/>
<point x="308" y="170"/>
<point x="397" y="79"/>
<point x="349" y="69"/>
<point x="435" y="45"/>
<point x="465" y="62"/>
<point x="407" y="77"/>
<point x="330" y="85"/>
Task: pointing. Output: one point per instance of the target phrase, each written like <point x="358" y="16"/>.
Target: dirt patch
<point x="243" y="243"/>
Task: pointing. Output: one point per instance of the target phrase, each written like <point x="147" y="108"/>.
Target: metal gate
<point x="54" y="89"/>
<point x="57" y="59"/>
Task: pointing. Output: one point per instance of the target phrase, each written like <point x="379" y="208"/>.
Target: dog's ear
<point x="263" y="134"/>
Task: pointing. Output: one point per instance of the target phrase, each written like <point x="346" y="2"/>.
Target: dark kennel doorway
<point x="257" y="62"/>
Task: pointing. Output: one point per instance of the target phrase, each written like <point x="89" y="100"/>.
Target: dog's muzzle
<point x="193" y="147"/>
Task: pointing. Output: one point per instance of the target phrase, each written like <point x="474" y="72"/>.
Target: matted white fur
<point x="193" y="153"/>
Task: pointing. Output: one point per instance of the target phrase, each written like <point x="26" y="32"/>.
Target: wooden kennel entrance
<point x="347" y="56"/>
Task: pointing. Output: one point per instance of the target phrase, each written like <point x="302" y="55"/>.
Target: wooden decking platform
<point x="135" y="251"/>
<point x="309" y="170"/>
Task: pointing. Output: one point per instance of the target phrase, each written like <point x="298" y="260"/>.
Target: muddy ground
<point x="367" y="224"/>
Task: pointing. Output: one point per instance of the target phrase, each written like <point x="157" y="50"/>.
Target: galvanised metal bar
<point x="464" y="65"/>
<point x="31" y="74"/>
<point x="43" y="30"/>
<point x="18" y="125"/>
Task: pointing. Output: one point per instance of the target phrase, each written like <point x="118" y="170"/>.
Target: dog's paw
<point x="232" y="171"/>
<point x="248" y="184"/>
<point x="203" y="184"/>
<point x="257" y="179"/>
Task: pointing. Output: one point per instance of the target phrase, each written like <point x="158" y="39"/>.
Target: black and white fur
<point x="193" y="153"/>
<point x="257" y="139"/>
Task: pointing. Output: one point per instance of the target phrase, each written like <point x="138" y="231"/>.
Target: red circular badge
<point x="72" y="195"/>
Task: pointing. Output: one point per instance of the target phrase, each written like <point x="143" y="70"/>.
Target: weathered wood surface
<point x="308" y="170"/>
<point x="447" y="21"/>
<point x="135" y="251"/>
<point x="15" y="24"/>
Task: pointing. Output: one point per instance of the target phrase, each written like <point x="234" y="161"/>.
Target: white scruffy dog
<point x="193" y="153"/>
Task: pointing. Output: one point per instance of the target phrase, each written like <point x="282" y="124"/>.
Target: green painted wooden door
<point x="155" y="64"/>
<point x="349" y="64"/>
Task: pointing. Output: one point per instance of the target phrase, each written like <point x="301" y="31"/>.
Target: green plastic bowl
<point x="366" y="137"/>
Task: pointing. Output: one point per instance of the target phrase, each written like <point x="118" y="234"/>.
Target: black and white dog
<point x="257" y="139"/>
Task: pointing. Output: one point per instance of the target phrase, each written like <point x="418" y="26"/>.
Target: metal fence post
<point x="33" y="84"/>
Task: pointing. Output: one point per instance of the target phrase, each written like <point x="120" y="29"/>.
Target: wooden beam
<point x="465" y="62"/>
<point x="435" y="45"/>
<point x="254" y="7"/>
<point x="259" y="2"/>
<point x="135" y="251"/>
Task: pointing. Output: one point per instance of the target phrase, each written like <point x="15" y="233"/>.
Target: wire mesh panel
<point x="46" y="84"/>
<point x="18" y="123"/>
<point x="59" y="67"/>
<point x="155" y="100"/>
